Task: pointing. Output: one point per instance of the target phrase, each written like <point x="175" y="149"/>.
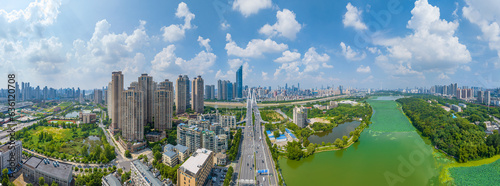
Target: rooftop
<point x="112" y="180"/>
<point x="168" y="147"/>
<point x="170" y="153"/>
<point x="143" y="169"/>
<point x="59" y="170"/>
<point x="194" y="163"/>
<point x="5" y="147"/>
<point x="181" y="148"/>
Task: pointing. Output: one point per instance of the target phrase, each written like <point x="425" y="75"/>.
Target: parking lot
<point x="218" y="176"/>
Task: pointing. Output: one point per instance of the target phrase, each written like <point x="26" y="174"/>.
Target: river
<point x="389" y="152"/>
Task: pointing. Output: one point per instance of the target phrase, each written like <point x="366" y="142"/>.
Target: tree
<point x="127" y="154"/>
<point x="41" y="181"/>
<point x="276" y="133"/>
<point x="339" y="143"/>
<point x="310" y="149"/>
<point x="29" y="184"/>
<point x="157" y="156"/>
<point x="5" y="176"/>
<point x="54" y="184"/>
<point x="306" y="142"/>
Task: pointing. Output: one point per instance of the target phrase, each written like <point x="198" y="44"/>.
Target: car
<point x="248" y="164"/>
<point x="262" y="161"/>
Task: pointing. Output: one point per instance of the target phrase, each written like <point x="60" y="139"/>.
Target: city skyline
<point x="275" y="42"/>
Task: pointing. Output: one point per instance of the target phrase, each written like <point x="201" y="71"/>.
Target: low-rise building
<point x="170" y="158"/>
<point x="110" y="180"/>
<point x="51" y="171"/>
<point x="456" y="108"/>
<point x="220" y="158"/>
<point x="196" y="169"/>
<point x="87" y="117"/>
<point x="142" y="176"/>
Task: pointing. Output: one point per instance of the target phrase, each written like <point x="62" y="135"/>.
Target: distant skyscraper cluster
<point x="226" y="90"/>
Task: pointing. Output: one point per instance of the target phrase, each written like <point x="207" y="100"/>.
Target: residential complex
<point x="206" y="135"/>
<point x="196" y="169"/>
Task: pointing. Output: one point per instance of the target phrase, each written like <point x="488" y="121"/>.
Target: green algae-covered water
<point x="389" y="152"/>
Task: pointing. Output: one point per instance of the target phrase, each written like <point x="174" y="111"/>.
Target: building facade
<point x="116" y="89"/>
<point x="300" y="116"/>
<point x="97" y="96"/>
<point x="147" y="86"/>
<point x="141" y="175"/>
<point x="163" y="106"/>
<point x="239" y="82"/>
<point x="198" y="103"/>
<point x="181" y="95"/>
<point x="5" y="155"/>
<point x="133" y="115"/>
<point x="196" y="169"/>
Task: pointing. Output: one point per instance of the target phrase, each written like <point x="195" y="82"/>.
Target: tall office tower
<point x="97" y="96"/>
<point x="188" y="91"/>
<point x="132" y="117"/>
<point x="145" y="84"/>
<point x="77" y="92"/>
<point x="37" y="92"/>
<point x="341" y="89"/>
<point x="239" y="82"/>
<point x="116" y="101"/>
<point x="219" y="90"/>
<point x="163" y="106"/>
<point x="229" y="90"/>
<point x="208" y="92"/>
<point x="198" y="102"/>
<point x="234" y="90"/>
<point x="480" y="96"/>
<point x="180" y="95"/>
<point x="212" y="89"/>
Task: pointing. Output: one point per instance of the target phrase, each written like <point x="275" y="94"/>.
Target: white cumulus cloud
<point x="352" y="18"/>
<point x="285" y="26"/>
<point x="249" y="7"/>
<point x="363" y="69"/>
<point x="254" y="48"/>
<point x="350" y="54"/>
<point x="175" y="32"/>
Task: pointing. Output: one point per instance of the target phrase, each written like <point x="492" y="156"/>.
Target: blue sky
<point x="370" y="44"/>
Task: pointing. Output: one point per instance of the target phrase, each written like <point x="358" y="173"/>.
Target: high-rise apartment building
<point x="188" y="91"/>
<point x="239" y="82"/>
<point x="116" y="88"/>
<point x="147" y="86"/>
<point x="197" y="98"/>
<point x="219" y="90"/>
<point x="132" y="117"/>
<point x="163" y="106"/>
<point x="97" y="96"/>
<point x="300" y="116"/>
<point x="209" y="92"/>
<point x="181" y="95"/>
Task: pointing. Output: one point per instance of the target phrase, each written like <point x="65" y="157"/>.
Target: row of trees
<point x="229" y="176"/>
<point x="233" y="151"/>
<point x="457" y="137"/>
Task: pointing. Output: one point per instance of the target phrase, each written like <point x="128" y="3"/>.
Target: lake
<point x="332" y="134"/>
<point x="389" y="152"/>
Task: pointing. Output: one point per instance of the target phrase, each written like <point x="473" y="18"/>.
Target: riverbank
<point x="446" y="177"/>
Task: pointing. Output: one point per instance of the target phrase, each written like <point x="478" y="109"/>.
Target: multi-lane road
<point x="255" y="154"/>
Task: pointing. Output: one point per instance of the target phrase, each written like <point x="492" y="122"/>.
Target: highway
<point x="255" y="154"/>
